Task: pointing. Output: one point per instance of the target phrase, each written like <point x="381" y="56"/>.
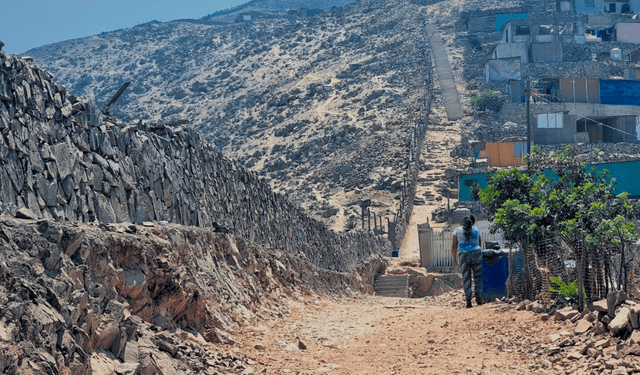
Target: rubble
<point x="594" y="341"/>
<point x="83" y="299"/>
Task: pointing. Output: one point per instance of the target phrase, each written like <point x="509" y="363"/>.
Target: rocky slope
<point x="126" y="299"/>
<point x="274" y="7"/>
<point x="323" y="106"/>
<point x="63" y="161"/>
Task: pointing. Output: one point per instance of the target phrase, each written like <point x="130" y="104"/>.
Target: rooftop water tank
<point x="616" y="54"/>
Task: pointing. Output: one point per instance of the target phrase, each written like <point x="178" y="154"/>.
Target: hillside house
<point x="627" y="31"/>
<point x="564" y="30"/>
<point x="534" y="41"/>
<point x="605" y="6"/>
<point x="587" y="110"/>
<point x="249" y="16"/>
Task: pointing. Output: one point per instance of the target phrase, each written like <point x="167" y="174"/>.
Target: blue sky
<point x="26" y="24"/>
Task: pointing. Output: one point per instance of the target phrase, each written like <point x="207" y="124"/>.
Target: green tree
<point x="577" y="202"/>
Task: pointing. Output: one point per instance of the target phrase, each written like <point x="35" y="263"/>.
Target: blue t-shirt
<point x="472" y="244"/>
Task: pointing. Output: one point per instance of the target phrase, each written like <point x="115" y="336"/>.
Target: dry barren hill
<point x="324" y="106"/>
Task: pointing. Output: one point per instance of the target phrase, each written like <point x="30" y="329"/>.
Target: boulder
<point x="615" y="299"/>
<point x="600" y="306"/>
<point x="439" y="287"/>
<point x="633" y="316"/>
<point x="619" y="323"/>
<point x="25" y="213"/>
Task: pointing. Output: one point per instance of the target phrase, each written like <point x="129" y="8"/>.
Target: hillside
<point x="324" y="106"/>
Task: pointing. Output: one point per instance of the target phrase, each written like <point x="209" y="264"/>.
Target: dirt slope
<point x="378" y="335"/>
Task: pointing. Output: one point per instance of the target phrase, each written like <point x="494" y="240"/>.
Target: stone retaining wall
<point x="62" y="160"/>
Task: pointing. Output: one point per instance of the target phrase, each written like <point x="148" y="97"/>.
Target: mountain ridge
<point x="324" y="107"/>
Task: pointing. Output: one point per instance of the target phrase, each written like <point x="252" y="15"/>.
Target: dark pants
<point x="471" y="262"/>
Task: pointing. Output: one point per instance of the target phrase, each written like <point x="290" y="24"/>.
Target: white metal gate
<point x="440" y="246"/>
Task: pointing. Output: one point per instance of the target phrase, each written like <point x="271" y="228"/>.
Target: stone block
<point x="618" y="324"/>
<point x="615" y="299"/>
<point x="564" y="315"/>
<point x="600" y="306"/>
<point x="635" y="337"/>
<point x="25" y="213"/>
<point x="583" y="326"/>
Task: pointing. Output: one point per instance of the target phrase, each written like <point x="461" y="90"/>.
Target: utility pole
<point x="527" y="92"/>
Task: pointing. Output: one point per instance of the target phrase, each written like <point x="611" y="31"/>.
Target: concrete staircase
<point x="452" y="103"/>
<point x="392" y="286"/>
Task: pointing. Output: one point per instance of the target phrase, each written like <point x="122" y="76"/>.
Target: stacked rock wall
<point x="61" y="160"/>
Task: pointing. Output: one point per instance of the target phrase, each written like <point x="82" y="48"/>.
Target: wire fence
<point x="594" y="272"/>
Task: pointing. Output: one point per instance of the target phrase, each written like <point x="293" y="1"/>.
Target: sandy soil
<point x="378" y="335"/>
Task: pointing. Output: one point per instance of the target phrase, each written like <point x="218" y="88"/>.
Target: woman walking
<point x="466" y="244"/>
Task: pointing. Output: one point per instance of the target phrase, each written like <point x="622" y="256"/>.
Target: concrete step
<point x="392" y="286"/>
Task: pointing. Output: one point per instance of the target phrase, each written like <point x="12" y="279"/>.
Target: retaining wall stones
<point x="60" y="159"/>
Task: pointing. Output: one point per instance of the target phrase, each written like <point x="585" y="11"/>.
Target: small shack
<point x="627" y="31"/>
<point x="554" y="128"/>
<point x="503" y="70"/>
<point x="249" y="16"/>
<point x="482" y="24"/>
<point x="506" y="153"/>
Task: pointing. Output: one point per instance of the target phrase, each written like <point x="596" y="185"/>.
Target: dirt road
<point x="378" y="335"/>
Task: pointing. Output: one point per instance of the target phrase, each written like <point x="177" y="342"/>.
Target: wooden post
<point x="362" y="213"/>
<point x="375" y="224"/>
<point x="368" y="219"/>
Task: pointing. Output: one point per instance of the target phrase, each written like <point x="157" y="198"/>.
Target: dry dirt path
<point x="378" y="335"/>
<point x="441" y="138"/>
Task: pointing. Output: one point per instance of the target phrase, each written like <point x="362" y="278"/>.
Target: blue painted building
<point x="625" y="173"/>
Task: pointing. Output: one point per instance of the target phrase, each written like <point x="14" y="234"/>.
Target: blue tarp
<point x="619" y="91"/>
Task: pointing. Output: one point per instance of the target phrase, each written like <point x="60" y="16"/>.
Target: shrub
<point x="488" y="101"/>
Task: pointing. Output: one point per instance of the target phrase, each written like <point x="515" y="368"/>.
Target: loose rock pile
<point x="98" y="299"/>
<point x="62" y="160"/>
<point x="602" y="339"/>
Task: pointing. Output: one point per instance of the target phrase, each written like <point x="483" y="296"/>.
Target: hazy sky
<point x="26" y="24"/>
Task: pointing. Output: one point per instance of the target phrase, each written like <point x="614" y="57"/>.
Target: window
<point x="523" y="30"/>
<point x="520" y="149"/>
<point x="589" y="3"/>
<point x="612" y="7"/>
<point x="550" y="121"/>
<point x="545" y="29"/>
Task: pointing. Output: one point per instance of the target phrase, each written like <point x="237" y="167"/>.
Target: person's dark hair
<point x="466" y="226"/>
<point x="473" y="220"/>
